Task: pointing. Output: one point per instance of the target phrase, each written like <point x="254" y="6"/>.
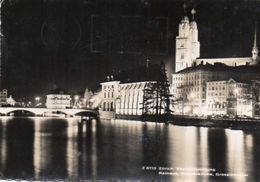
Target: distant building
<point x="10" y="101"/>
<point x="3" y="97"/>
<point x="58" y="99"/>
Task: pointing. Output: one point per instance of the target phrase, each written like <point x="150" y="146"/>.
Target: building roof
<point x="243" y="74"/>
<point x="217" y="67"/>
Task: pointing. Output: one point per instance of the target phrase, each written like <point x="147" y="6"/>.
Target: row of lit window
<point x="58" y="102"/>
<point x="108" y="95"/>
<point x="217" y="106"/>
<point x="112" y="86"/>
<point x="216" y="88"/>
<point x="108" y="106"/>
<point x="195" y="77"/>
<point x="216" y="94"/>
<point x="188" y="83"/>
<point x="59" y="98"/>
<point x="216" y="83"/>
<point x="191" y="89"/>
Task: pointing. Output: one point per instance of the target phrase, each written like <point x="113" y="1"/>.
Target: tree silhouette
<point x="157" y="97"/>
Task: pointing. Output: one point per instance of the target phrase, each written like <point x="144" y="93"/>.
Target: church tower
<point x="255" y="49"/>
<point x="187" y="44"/>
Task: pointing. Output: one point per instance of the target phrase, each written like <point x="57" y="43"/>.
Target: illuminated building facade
<point x="130" y="98"/>
<point x="187" y="51"/>
<point x="256" y="98"/>
<point x="187" y="44"/>
<point x="229" y="98"/>
<point x="121" y="98"/>
<point x="109" y="94"/>
<point x="193" y="76"/>
<point x="58" y="99"/>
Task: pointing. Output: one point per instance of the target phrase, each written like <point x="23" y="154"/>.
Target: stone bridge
<point x="46" y="111"/>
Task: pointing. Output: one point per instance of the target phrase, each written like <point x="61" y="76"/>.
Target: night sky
<point x="74" y="44"/>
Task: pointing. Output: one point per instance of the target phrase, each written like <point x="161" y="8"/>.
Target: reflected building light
<point x="236" y="154"/>
<point x="249" y="146"/>
<point x="3" y="144"/>
<point x="72" y="128"/>
<point x="94" y="126"/>
<point x="184" y="150"/>
<point x="37" y="149"/>
<point x="72" y="152"/>
<point x="204" y="156"/>
<point x="94" y="156"/>
<point x="190" y="147"/>
<point x="249" y="141"/>
<point x="42" y="149"/>
<point x="84" y="130"/>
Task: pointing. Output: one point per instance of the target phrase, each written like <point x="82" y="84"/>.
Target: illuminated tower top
<point x="255" y="48"/>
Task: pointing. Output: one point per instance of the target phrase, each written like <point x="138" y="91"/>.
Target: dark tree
<point x="157" y="97"/>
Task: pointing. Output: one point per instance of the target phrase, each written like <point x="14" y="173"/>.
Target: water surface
<point x="48" y="148"/>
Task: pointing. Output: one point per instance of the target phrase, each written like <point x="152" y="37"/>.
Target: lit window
<point x="104" y="106"/>
<point x="111" y="106"/>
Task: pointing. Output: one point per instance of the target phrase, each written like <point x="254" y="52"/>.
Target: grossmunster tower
<point x="187" y="44"/>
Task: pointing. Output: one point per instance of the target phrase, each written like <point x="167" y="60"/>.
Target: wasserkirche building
<point x="212" y="86"/>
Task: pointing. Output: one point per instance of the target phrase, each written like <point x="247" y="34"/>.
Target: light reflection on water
<point x="47" y="148"/>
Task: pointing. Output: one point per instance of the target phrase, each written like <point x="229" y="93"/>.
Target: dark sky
<point x="74" y="44"/>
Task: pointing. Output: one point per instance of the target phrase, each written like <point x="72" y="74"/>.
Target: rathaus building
<point x="213" y="86"/>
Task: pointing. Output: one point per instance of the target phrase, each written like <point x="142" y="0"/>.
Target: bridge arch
<point x="21" y="112"/>
<point x="57" y="112"/>
<point x="85" y="113"/>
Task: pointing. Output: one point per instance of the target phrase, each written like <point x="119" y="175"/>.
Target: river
<point x="50" y="148"/>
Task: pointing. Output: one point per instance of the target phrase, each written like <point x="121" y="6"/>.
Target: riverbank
<point x="240" y="124"/>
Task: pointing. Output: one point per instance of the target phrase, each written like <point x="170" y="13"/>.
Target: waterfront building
<point x="130" y="98"/>
<point x="122" y="98"/>
<point x="193" y="75"/>
<point x="109" y="94"/>
<point x="229" y="97"/>
<point x="256" y="98"/>
<point x="58" y="99"/>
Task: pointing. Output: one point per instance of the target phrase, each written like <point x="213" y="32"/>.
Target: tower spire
<point x="193" y="12"/>
<point x="255" y="48"/>
<point x="184" y="8"/>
